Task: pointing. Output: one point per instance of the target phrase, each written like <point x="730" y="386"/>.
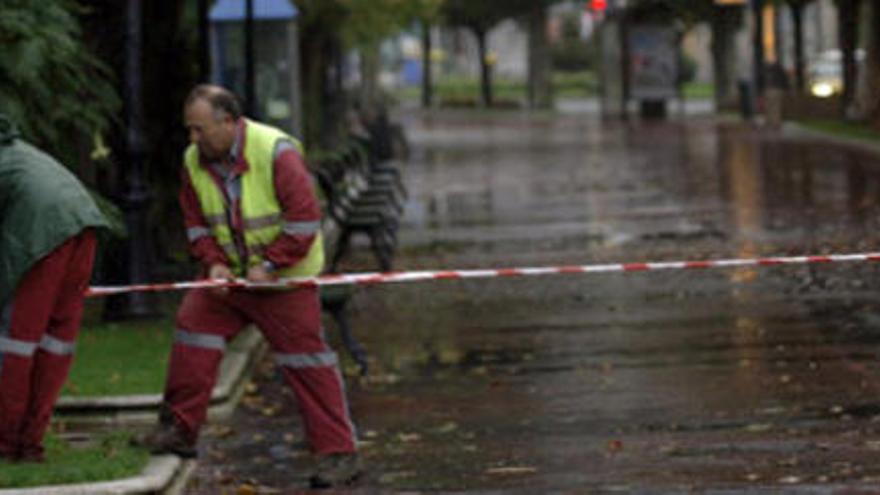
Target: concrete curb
<point x="167" y="474"/>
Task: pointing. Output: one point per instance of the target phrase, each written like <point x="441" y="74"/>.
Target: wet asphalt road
<point x="713" y="381"/>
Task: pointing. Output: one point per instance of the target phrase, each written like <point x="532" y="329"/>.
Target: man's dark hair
<point x="220" y="99"/>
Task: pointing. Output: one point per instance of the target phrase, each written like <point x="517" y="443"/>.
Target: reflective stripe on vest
<point x="261" y="211"/>
<point x="195" y="233"/>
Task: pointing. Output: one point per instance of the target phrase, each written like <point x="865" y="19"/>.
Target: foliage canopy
<point x="51" y="85"/>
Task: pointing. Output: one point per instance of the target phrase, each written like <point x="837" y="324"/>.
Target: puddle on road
<point x="681" y="182"/>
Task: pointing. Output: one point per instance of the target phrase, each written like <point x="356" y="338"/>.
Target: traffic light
<point x="598" y="5"/>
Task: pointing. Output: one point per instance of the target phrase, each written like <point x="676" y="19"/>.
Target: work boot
<point x="166" y="439"/>
<point x="336" y="470"/>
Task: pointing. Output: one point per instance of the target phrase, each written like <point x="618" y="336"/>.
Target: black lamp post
<point x="203" y="48"/>
<point x="249" y="56"/>
<point x="136" y="196"/>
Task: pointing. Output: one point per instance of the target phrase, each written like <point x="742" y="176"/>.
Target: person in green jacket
<point x="47" y="249"/>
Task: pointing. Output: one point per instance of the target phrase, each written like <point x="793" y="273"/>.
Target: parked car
<point x="825" y="73"/>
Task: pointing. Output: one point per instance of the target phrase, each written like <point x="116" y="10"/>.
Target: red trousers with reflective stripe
<point x="41" y="321"/>
<point x="291" y="323"/>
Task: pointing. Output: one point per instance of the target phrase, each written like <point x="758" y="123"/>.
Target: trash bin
<point x="652" y="109"/>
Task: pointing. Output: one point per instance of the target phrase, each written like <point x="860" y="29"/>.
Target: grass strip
<point x="120" y="359"/>
<point x="107" y="458"/>
<point x="466" y="89"/>
<point x="842" y="128"/>
<point x="698" y="91"/>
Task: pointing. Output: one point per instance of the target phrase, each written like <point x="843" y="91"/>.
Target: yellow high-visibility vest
<point x="260" y="209"/>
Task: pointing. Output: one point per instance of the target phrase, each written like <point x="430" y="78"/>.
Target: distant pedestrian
<point x="47" y="248"/>
<point x="250" y="211"/>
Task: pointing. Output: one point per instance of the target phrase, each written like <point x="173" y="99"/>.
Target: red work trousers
<point x="291" y="323"/>
<point x="38" y="330"/>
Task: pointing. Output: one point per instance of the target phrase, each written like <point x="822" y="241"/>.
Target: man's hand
<point x="220" y="271"/>
<point x="258" y="273"/>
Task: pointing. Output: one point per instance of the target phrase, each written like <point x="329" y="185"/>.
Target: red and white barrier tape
<point x="415" y="276"/>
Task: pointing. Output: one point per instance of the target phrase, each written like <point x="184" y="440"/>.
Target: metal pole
<point x="204" y="55"/>
<point x="249" y="90"/>
<point x="136" y="195"/>
<point x="427" y="81"/>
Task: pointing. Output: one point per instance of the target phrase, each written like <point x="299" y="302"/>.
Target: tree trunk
<point x="758" y="47"/>
<point x="872" y="67"/>
<point x="725" y="22"/>
<point x="369" y="94"/>
<point x="333" y="100"/>
<point x="427" y="70"/>
<point x="540" y="85"/>
<point x="848" y="21"/>
<point x="797" y="18"/>
<point x="485" y="69"/>
<point x="313" y="70"/>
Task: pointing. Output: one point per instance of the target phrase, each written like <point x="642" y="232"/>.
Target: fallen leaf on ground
<point x="223" y="477"/>
<point x="480" y="370"/>
<point x="448" y="427"/>
<point x="409" y="437"/>
<point x="511" y="470"/>
<point x="392" y="477"/>
<point x="222" y="431"/>
<point x="759" y="427"/>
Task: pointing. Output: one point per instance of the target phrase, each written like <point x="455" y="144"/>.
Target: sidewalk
<point x="165" y="474"/>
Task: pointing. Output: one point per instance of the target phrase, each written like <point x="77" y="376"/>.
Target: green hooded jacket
<point x="42" y="205"/>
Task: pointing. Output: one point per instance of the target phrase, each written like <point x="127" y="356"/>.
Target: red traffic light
<point x="598" y="5"/>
